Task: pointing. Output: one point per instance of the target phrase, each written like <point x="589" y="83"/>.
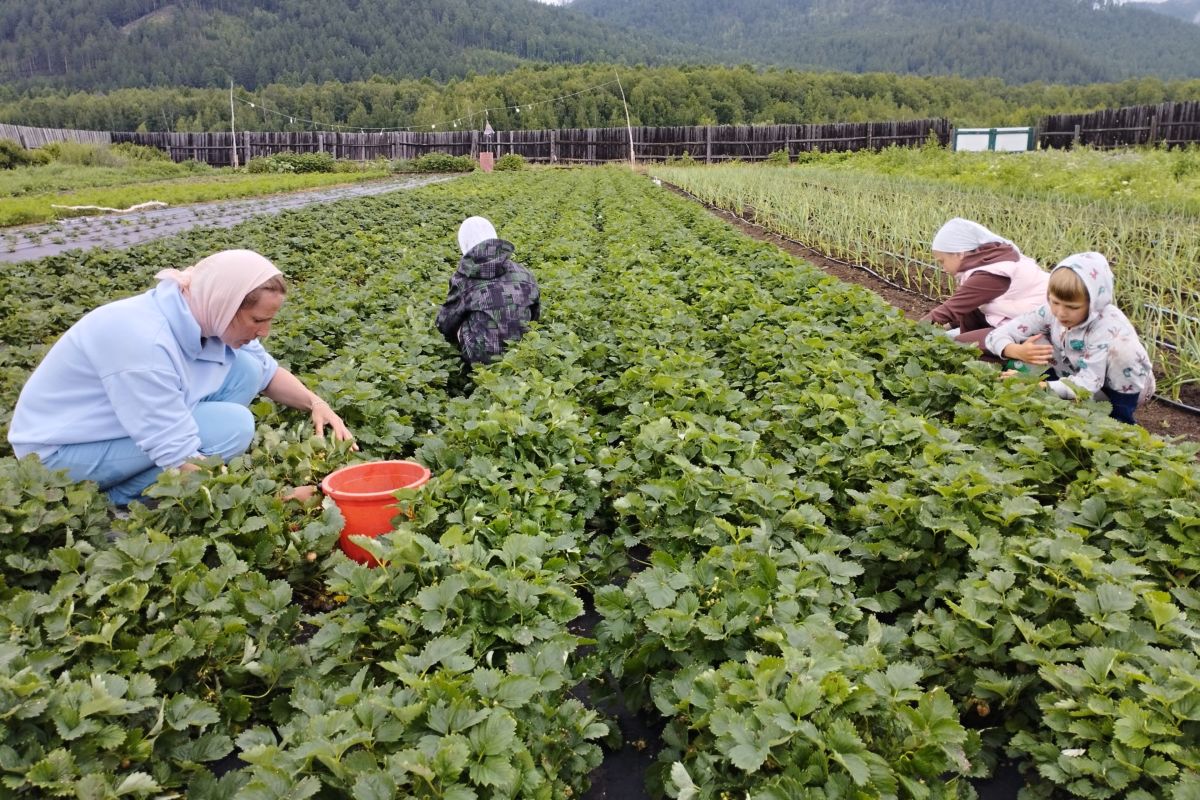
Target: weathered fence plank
<point x="30" y="138"/>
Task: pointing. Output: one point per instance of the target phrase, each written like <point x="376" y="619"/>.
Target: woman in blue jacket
<point x="158" y="380"/>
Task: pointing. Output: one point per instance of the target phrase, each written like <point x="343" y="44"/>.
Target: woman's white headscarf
<point x="473" y="231"/>
<point x="962" y="236"/>
<point x="214" y="287"/>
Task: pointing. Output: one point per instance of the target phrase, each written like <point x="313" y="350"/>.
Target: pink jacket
<point x="1026" y="289"/>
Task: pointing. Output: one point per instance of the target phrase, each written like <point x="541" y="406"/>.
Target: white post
<point x="232" y="130"/>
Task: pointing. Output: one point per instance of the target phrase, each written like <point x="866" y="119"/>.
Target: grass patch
<point x="195" y="188"/>
<point x="59" y="176"/>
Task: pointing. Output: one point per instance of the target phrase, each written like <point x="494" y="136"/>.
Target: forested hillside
<point x="106" y="44"/>
<point x="102" y="44"/>
<point x="586" y="96"/>
<point x="1062" y="41"/>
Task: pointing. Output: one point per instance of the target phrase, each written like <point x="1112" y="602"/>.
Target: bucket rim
<point x="340" y="494"/>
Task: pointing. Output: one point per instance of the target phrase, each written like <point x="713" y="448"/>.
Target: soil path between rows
<point x="127" y="230"/>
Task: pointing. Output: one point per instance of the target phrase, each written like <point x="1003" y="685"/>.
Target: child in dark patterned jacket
<point x="1090" y="345"/>
<point x="492" y="298"/>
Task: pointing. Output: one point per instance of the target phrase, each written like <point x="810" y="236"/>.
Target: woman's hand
<point x="323" y="415"/>
<point x="286" y="388"/>
<point x="1031" y="351"/>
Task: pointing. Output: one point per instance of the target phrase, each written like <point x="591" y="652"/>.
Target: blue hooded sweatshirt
<point x="135" y="368"/>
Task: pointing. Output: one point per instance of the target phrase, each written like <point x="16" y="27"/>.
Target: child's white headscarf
<point x="962" y="236"/>
<point x="472" y="232"/>
<point x="215" y="286"/>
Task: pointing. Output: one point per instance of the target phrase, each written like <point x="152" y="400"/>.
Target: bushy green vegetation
<point x="83" y="154"/>
<point x="873" y="569"/>
<point x="778" y="158"/>
<point x="511" y="162"/>
<point x="657" y="96"/>
<point x="13" y="155"/>
<point x="298" y="163"/>
<point x="436" y="162"/>
<point x="139" y="152"/>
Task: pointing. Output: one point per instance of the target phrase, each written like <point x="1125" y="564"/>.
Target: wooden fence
<point x="709" y="144"/>
<point x="29" y="138"/>
<point x="1169" y="124"/>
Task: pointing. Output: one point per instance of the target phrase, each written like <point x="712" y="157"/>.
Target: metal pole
<point x="628" y="124"/>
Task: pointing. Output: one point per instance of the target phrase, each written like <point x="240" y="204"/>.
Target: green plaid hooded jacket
<point x="491" y="302"/>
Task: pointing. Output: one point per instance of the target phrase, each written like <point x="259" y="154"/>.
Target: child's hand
<point x="1031" y="351"/>
<point x="1008" y="373"/>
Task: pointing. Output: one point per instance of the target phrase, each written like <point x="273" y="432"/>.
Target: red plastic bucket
<point x="364" y="493"/>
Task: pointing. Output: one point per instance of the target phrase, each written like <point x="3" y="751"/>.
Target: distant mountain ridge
<point x="105" y="44"/>
<point x="1188" y="10"/>
<point x="1061" y="41"/>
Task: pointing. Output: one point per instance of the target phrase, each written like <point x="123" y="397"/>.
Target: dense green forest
<point x="657" y="96"/>
<point x="99" y="45"/>
<point x="1065" y="41"/>
<point x="103" y="44"/>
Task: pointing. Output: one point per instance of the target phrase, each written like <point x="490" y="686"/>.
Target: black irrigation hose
<point x="1167" y="401"/>
<point x="1177" y="404"/>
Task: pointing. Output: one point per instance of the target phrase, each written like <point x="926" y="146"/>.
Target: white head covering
<point x="962" y="236"/>
<point x="473" y="231"/>
<point x="214" y="287"/>
<point x="1093" y="269"/>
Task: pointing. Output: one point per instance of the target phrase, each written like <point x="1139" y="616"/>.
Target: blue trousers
<point x="1124" y="404"/>
<point x="123" y="469"/>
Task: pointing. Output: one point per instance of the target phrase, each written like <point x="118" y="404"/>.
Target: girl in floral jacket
<point x="1091" y="346"/>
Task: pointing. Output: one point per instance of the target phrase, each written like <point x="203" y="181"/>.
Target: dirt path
<point x="1156" y="416"/>
<point x="126" y="230"/>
